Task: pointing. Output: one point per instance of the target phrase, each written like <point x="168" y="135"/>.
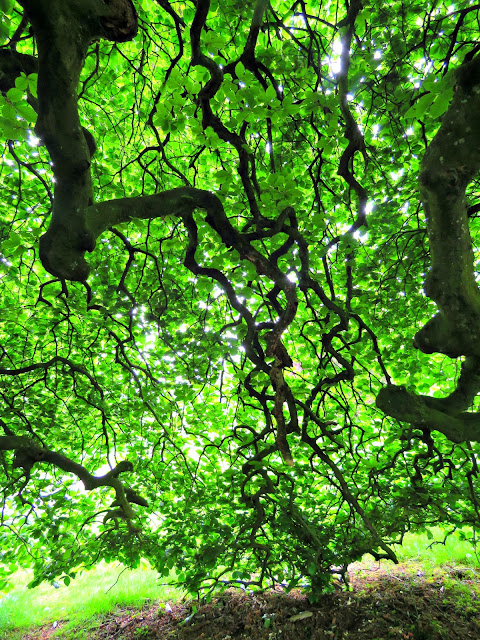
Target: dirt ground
<point x="406" y="602"/>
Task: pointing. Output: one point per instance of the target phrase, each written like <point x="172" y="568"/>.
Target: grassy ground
<point x="438" y="550"/>
<point x="93" y="593"/>
<point x="130" y="598"/>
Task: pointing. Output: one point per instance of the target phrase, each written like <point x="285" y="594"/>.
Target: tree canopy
<point x="240" y="328"/>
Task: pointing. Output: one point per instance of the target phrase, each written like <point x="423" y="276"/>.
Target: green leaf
<point x="240" y="70"/>
<point x="15" y="95"/>
<point x="271" y="94"/>
<point x="26" y="111"/>
<point x="21" y="82"/>
<point x="441" y="103"/>
<point x="422" y="105"/>
<point x="32" y="84"/>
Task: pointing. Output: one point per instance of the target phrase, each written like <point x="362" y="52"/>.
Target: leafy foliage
<point x="230" y="336"/>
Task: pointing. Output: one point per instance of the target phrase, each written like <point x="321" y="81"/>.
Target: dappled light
<point x="240" y="329"/>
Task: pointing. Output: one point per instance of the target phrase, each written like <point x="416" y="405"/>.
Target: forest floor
<point x="386" y="602"/>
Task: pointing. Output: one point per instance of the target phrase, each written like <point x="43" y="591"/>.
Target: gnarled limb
<point x="418" y="410"/>
<point x="450" y="163"/>
<point x="447" y="415"/>
<point x="28" y="453"/>
<point x="63" y="32"/>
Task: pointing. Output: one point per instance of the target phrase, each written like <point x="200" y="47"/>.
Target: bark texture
<point x="450" y="163"/>
<point x="63" y="32"/>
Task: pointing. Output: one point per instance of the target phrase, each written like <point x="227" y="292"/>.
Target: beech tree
<point x="240" y="329"/>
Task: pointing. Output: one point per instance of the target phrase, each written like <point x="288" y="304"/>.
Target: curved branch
<point x="182" y="201"/>
<point x="398" y="403"/>
<point x="451" y="161"/>
<point x="29" y="453"/>
<point x="61" y="55"/>
<point x="446" y="415"/>
<point x="46" y="365"/>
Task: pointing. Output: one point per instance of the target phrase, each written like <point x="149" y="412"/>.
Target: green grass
<point x="431" y="551"/>
<point x="92" y="593"/>
<point x="107" y="587"/>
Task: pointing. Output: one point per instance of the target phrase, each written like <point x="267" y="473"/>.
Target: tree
<point x="240" y="307"/>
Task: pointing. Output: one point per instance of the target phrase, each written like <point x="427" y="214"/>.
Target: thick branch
<point x="182" y="201"/>
<point x="176" y="202"/>
<point x="446" y="415"/>
<point x="29" y="453"/>
<point x="450" y="163"/>
<point x="452" y="160"/>
<point x="423" y="412"/>
<point x="61" y="54"/>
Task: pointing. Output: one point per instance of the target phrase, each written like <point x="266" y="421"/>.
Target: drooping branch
<point x="28" y="453"/>
<point x="50" y="363"/>
<point x="182" y="202"/>
<point x="352" y="500"/>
